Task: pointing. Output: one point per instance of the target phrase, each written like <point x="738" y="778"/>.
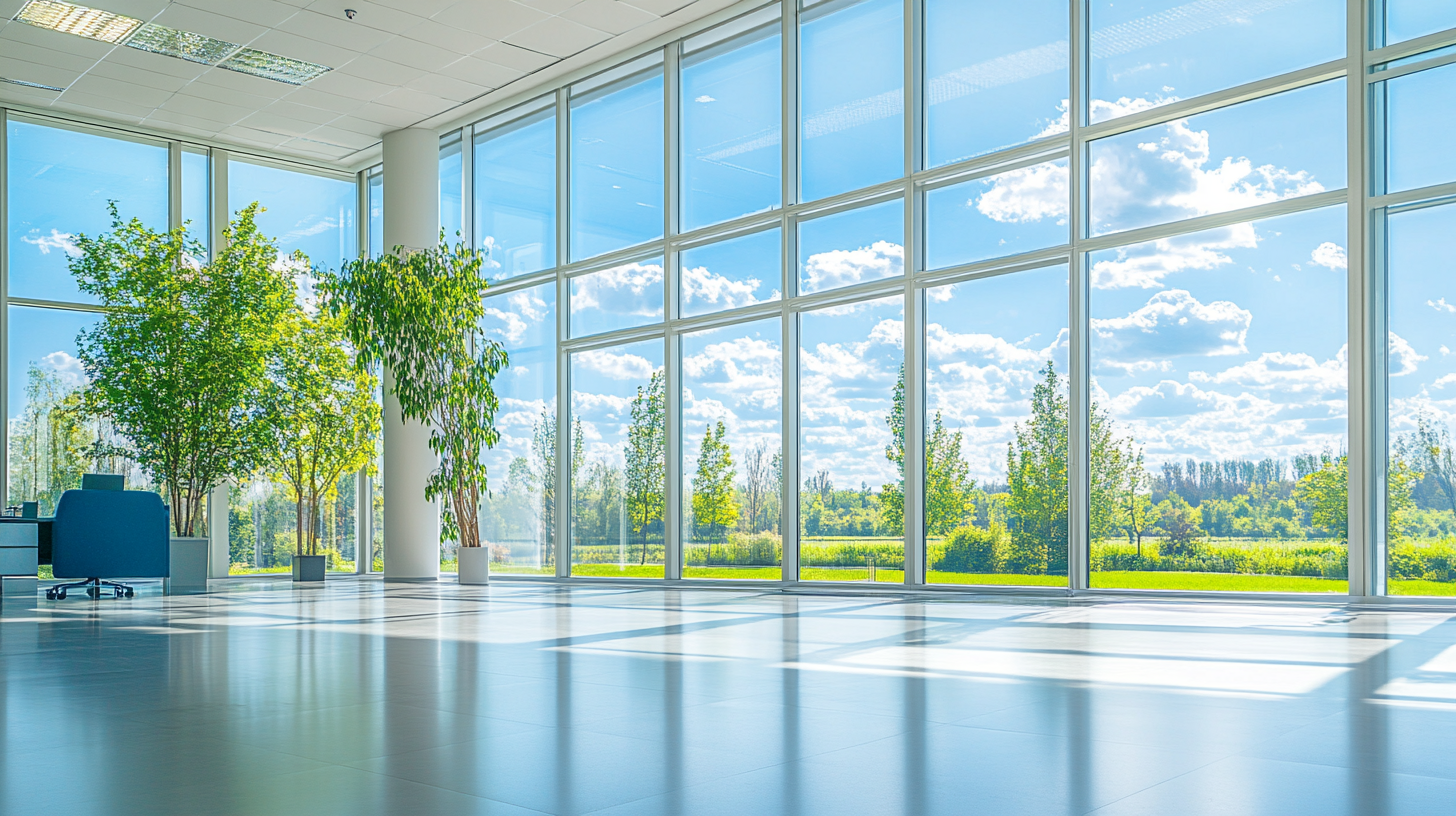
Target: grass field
<point x="1415" y="586"/>
<point x="1216" y="582"/>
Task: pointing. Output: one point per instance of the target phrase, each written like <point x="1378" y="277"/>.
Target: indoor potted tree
<point x="324" y="420"/>
<point x="419" y="314"/>
<point x="178" y="360"/>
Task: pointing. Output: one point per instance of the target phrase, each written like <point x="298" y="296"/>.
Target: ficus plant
<point x="418" y="313"/>
<point x="179" y="358"/>
<point x="321" y="413"/>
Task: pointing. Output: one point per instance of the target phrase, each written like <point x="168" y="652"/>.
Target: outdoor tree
<point x="1036" y="468"/>
<point x="1139" y="513"/>
<point x="1430" y="450"/>
<point x="178" y="361"/>
<point x="322" y="414"/>
<point x="49" y="441"/>
<point x="1326" y="496"/>
<point x="759" y="487"/>
<point x="948" y="486"/>
<point x="714" y="508"/>
<point x="418" y="312"/>
<point x="646" y="472"/>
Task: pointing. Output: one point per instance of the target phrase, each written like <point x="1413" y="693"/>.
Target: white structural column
<point x="411" y="220"/>
<point x="218" y="552"/>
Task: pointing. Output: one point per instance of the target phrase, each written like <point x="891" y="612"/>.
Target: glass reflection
<point x="730" y="274"/>
<point x="622" y="297"/>
<point x="1005" y="214"/>
<point x="616" y="159"/>
<point x="515" y="194"/>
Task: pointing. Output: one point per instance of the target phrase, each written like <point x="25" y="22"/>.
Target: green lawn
<point x="1416" y="586"/>
<point x="995" y="579"/>
<point x="1217" y="582"/>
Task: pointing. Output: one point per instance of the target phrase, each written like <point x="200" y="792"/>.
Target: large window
<point x="515" y="193"/>
<point x="304" y="211"/>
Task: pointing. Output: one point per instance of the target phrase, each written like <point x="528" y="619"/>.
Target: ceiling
<point x="398" y="63"/>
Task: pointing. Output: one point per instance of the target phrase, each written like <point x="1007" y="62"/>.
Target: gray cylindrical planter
<point x="309" y="568"/>
<point x="474" y="564"/>
<point x="187" y="561"/>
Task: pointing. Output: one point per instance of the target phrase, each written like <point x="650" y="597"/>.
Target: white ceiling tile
<point x="246" y="89"/>
<point x="254" y="136"/>
<point x="186" y="102"/>
<point x="414" y="53"/>
<point x="139" y="76"/>
<point x="661" y="8"/>
<point x="354" y="87"/>
<point x="343" y="138"/>
<point x="335" y="31"/>
<point x="380" y="70"/>
<point x="19" y="94"/>
<point x="496" y="19"/>
<point x="265" y="13"/>
<point x="32" y="72"/>
<point x="512" y="57"/>
<point x="370" y="15"/>
<point x="10" y="8"/>
<point x="140" y="9"/>
<point x="363" y="127"/>
<point x="109" y="104"/>
<point x="558" y="36"/>
<point x="458" y="40"/>
<point x="315" y="98"/>
<point x="449" y="88"/>
<point x="608" y="15"/>
<point x="387" y="115"/>
<point x="155" y="63"/>
<point x="94" y="110"/>
<point x="480" y="72"/>
<point x="309" y="149"/>
<point x="415" y="102"/>
<point x="172" y="117"/>
<point x="128" y="92"/>
<point x="29" y="52"/>
<point x="550" y="6"/>
<point x="286" y="44"/>
<point x="424" y="8"/>
<point x="53" y="40"/>
<point x="303" y="114"/>
<point x="275" y="124"/>
<point x="210" y="24"/>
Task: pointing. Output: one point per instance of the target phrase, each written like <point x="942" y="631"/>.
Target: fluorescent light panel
<point x="185" y="45"/>
<point x="69" y="18"/>
<point x="25" y="84"/>
<point x="106" y="26"/>
<point x="271" y="66"/>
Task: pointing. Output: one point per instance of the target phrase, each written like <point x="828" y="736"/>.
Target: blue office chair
<point x="108" y="534"/>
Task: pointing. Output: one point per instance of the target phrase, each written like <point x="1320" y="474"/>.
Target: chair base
<point x="94" y="588"/>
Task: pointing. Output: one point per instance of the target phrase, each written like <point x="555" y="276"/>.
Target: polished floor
<point x="524" y="698"/>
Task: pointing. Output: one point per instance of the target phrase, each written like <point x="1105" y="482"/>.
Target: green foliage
<point x="1325" y="560"/>
<point x="418" y="312"/>
<point x="1036" y="466"/>
<point x="646" y="461"/>
<point x="970" y="549"/>
<point x="49" y="442"/>
<point x="240" y="536"/>
<point x="1181" y="524"/>
<point x="948" y="486"/>
<point x="714" y="507"/>
<point x="739" y="550"/>
<point x="178" y="361"/>
<point x="1326" y="496"/>
<point x="322" y="415"/>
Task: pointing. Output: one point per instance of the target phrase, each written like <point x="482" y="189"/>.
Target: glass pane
<point x="262" y="525"/>
<point x="617" y="164"/>
<point x="732" y="453"/>
<point x="852" y="247"/>
<point x="1153" y="52"/>
<point x="1408" y="19"/>
<point x="1421" y="116"/>
<point x="730" y="125"/>
<point x="730" y="274"/>
<point x="1421" y="475"/>
<point x="59" y="184"/>
<point x="451" y="190"/>
<point x="1274" y="148"/>
<point x="49" y="443"/>
<point x="1219" y="409"/>
<point x="996" y="430"/>
<point x="518" y="515"/>
<point x="618" y="461"/>
<point x="376" y="215"/>
<point x="305" y="211"/>
<point x="618" y="298"/>
<point x="1005" y="214"/>
<point x="996" y="75"/>
<point x="196" y="206"/>
<point x="851" y="499"/>
<point x="515" y="195"/>
<point x="852" y="96"/>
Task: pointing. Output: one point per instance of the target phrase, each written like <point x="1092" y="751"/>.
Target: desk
<point x="42" y="536"/>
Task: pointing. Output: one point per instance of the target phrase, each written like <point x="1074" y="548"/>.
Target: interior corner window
<point x="852" y="95"/>
<point x="730" y="121"/>
<point x="617" y="159"/>
<point x="995" y="75"/>
<point x="61" y="183"/>
<point x="515" y="194"/>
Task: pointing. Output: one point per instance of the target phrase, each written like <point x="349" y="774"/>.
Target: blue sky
<point x="1422" y="295"/>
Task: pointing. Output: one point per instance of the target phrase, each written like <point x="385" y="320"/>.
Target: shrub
<point x="970" y="549"/>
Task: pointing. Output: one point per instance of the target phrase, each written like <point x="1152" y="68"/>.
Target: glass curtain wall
<point x="1064" y="316"/>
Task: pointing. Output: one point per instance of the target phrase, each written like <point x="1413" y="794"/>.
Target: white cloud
<point x="63" y="241"/>
<point x="1329" y="255"/>
<point x="68" y="369"/>
<point x="1403" y="357"/>
<point x="1444" y="380"/>
<point x="1172" y="323"/>
<point x="523" y="310"/>
<point x="615" y="365"/>
<point x="1442" y="306"/>
<point x="843" y="267"/>
<point x="1289" y="372"/>
<point x="701" y="285"/>
<point x="941" y="343"/>
<point x="1026" y="194"/>
<point x="1146" y="265"/>
<point x="745" y="369"/>
<point x="704" y="99"/>
<point x="632" y="289"/>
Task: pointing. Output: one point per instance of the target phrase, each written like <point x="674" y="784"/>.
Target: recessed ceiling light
<point x="181" y="44"/>
<point x="82" y="21"/>
<point x="25" y="84"/>
<point x="271" y="66"/>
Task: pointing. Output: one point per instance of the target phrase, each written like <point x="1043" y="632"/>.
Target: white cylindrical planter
<point x="412" y="220"/>
<point x="474" y="564"/>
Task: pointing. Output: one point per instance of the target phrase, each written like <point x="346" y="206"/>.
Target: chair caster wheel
<point x="60" y="595"/>
<point x="130" y="593"/>
<point x="50" y="594"/>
